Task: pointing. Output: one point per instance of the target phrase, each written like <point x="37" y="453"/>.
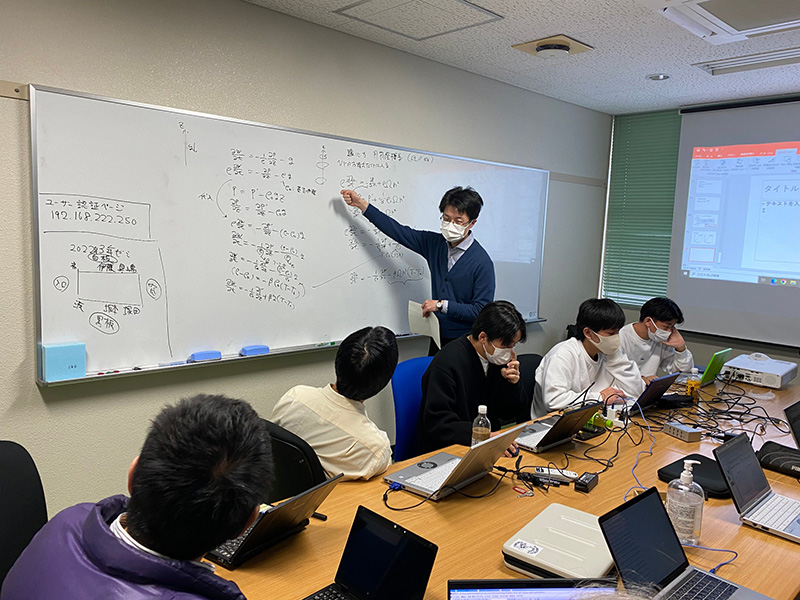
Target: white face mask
<point x="607" y="345"/>
<point x="453" y="232"/>
<point x="501" y="356"/>
<point x="659" y="335"/>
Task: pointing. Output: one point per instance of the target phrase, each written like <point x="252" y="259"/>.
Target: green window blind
<point x="644" y="162"/>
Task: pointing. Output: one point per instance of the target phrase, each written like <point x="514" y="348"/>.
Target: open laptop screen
<point x="527" y="589"/>
<point x="382" y="560"/>
<point x="643" y="542"/>
<point x="793" y="418"/>
<point x="742" y="471"/>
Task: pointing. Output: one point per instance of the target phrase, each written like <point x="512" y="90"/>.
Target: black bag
<point x="707" y="474"/>
<point x="780" y="458"/>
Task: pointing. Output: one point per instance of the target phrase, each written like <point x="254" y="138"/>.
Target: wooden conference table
<point x="470" y="532"/>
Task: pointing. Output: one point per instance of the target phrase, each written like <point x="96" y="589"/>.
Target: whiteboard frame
<point x="35" y="88"/>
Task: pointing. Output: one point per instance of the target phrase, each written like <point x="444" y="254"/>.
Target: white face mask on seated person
<point x="659" y="335"/>
<point x="607" y="344"/>
<point x="501" y="356"/>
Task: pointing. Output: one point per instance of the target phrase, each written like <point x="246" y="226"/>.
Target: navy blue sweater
<point x="467" y="287"/>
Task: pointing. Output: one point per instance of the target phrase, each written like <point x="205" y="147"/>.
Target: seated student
<point x="205" y="466"/>
<point x="592" y="359"/>
<point x="479" y="368"/>
<point x="333" y="419"/>
<point x="654" y="342"/>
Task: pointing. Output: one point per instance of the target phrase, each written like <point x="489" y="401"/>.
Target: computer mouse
<point x="513" y="450"/>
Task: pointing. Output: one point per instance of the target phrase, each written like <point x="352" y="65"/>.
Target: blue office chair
<point x="22" y="504"/>
<point x="407" y="392"/>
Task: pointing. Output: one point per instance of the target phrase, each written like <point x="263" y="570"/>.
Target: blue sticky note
<point x="254" y="350"/>
<point x="205" y="355"/>
<point x="61" y="362"/>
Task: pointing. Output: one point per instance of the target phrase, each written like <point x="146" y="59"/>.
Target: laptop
<point x="712" y="369"/>
<point x="757" y="504"/>
<point x="529" y="589"/>
<point x="650" y="396"/>
<point x="273" y="525"/>
<point x="553" y="431"/>
<point x="792" y="414"/>
<point x="381" y="561"/>
<point x="648" y="554"/>
<point x="443" y="473"/>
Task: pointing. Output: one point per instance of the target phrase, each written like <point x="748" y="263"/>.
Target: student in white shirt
<point x="591" y="361"/>
<point x="333" y="419"/>
<point x="654" y="341"/>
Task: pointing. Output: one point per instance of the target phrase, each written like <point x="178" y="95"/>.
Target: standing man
<point x="462" y="273"/>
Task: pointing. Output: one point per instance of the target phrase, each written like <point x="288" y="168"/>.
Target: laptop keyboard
<point x="532" y="439"/>
<point x="703" y="587"/>
<point x="329" y="593"/>
<point x="432" y="480"/>
<point x="777" y="512"/>
<point x="229" y="548"/>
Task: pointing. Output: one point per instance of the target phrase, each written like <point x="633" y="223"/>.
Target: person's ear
<point x="588" y="333"/>
<point x="131" y="470"/>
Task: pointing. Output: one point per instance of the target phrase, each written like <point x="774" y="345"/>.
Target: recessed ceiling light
<point x="658" y="76"/>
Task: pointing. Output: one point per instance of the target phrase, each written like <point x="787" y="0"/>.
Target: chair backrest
<point x="22" y="504"/>
<point x="297" y="466"/>
<point x="407" y="392"/>
<point x="528" y="363"/>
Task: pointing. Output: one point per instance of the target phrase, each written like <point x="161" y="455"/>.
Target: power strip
<point x="682" y="432"/>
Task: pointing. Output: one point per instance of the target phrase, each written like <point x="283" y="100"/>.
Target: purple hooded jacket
<point x="76" y="555"/>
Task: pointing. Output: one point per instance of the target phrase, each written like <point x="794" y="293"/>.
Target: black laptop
<point x="274" y="524"/>
<point x="381" y="561"/>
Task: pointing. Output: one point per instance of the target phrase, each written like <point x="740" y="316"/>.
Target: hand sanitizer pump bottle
<point x="685" y="505"/>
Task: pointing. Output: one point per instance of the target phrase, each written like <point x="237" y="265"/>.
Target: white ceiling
<point x="630" y="42"/>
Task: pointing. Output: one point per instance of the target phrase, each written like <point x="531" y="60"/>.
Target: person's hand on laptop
<point x="648" y="379"/>
<point x="610" y="395"/>
<point x="511" y="370"/>
<point x="512" y="450"/>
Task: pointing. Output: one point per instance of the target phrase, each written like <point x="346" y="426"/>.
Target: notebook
<point x="550" y="432"/>
<point x="648" y="554"/>
<point x="443" y="473"/>
<point x="381" y="561"/>
<point x="651" y="394"/>
<point x="757" y="504"/>
<point x="529" y="589"/>
<point x="274" y="524"/>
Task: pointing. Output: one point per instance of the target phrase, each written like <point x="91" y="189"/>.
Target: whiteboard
<point x="162" y="232"/>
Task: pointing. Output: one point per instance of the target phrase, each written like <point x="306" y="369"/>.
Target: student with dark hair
<point x="333" y="419"/>
<point x="654" y="341"/>
<point x="479" y="368"/>
<point x="204" y="469"/>
<point x="592" y="360"/>
<point x="462" y="274"/>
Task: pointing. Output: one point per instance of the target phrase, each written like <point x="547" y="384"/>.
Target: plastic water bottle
<point x="685" y="505"/>
<point x="693" y="385"/>
<point x="481" y="428"/>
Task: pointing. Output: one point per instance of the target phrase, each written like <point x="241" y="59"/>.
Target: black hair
<point x="598" y="314"/>
<point x="206" y="463"/>
<point x="464" y="200"/>
<point x="365" y="362"/>
<point x="500" y="320"/>
<point x="661" y="309"/>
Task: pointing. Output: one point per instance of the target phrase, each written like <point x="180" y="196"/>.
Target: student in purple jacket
<point x="203" y="471"/>
<point x="462" y="273"/>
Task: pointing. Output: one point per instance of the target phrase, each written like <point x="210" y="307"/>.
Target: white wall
<point x="232" y="58"/>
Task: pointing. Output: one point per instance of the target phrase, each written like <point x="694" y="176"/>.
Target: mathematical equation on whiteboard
<point x="113" y="271"/>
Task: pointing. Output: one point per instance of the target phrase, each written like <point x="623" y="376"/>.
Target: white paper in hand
<point x="421" y="325"/>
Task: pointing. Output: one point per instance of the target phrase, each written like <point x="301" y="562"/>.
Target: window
<point x="641" y="194"/>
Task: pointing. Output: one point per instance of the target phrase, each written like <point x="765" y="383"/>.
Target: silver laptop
<point x="443" y="473"/>
<point x="757" y="504"/>
<point x="530" y="589"/>
<point x="648" y="554"/>
<point x="547" y="433"/>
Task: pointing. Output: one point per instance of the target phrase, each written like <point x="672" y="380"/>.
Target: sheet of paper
<point x="421" y="325"/>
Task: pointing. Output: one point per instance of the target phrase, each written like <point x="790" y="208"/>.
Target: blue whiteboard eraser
<point x="62" y="362"/>
<point x="254" y="350"/>
<point x="205" y="355"/>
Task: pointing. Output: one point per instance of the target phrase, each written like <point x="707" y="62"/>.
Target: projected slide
<point x="743" y="214"/>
